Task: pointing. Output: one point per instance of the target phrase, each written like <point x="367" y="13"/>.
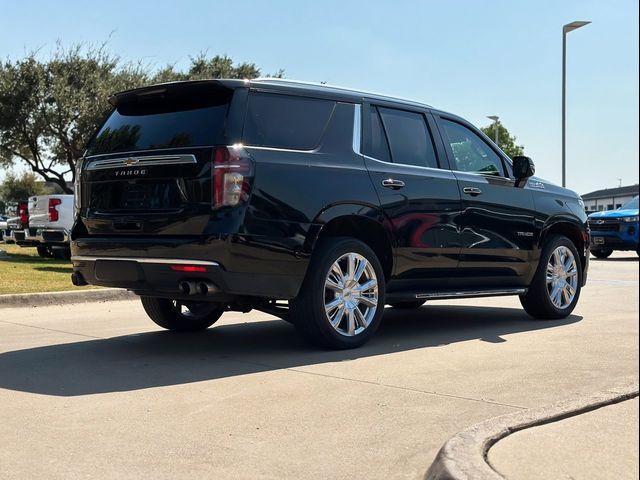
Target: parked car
<point x="17" y="226"/>
<point x="615" y="230"/>
<point x="50" y="223"/>
<point x="316" y="204"/>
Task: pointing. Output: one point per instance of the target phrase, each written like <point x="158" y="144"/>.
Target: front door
<point x="497" y="224"/>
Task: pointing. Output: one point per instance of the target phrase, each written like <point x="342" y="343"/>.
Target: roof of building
<point x="613" y="192"/>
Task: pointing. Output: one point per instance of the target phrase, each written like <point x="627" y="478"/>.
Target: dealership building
<point x="609" y="198"/>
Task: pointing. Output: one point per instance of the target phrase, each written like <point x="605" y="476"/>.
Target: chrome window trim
<point x="143" y="161"/>
<point x="427" y="169"/>
<point x="167" y="261"/>
<point x="357" y="128"/>
<point x="484" y="175"/>
<point x="278" y="149"/>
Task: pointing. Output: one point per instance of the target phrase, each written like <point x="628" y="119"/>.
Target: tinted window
<point x="409" y="138"/>
<point x="379" y="144"/>
<point x="159" y="124"/>
<point x="283" y="121"/>
<point x="471" y="153"/>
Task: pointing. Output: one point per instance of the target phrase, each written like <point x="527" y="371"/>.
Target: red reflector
<point x="188" y="268"/>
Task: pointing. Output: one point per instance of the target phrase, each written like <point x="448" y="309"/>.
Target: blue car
<point x="614" y="230"/>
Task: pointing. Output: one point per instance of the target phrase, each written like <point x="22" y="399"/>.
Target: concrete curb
<point x="64" y="298"/>
<point x="464" y="456"/>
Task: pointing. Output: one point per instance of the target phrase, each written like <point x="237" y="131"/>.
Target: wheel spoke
<point x="335" y="322"/>
<point x="332" y="305"/>
<point x="365" y="287"/>
<point x="557" y="257"/>
<point x="338" y="273"/>
<point x="333" y="285"/>
<point x="360" y="318"/>
<point x="370" y="302"/>
<point x="351" y="322"/>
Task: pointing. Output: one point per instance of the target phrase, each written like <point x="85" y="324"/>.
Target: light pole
<point x="495" y="119"/>
<point x="569" y="27"/>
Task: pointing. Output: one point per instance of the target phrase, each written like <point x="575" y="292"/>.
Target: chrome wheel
<point x="351" y="294"/>
<point x="562" y="277"/>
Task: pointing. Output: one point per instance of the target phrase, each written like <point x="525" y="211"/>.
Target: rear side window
<point x="283" y="121"/>
<point x="409" y="138"/>
<point x="160" y="123"/>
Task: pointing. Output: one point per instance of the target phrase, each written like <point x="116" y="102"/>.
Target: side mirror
<point x="523" y="168"/>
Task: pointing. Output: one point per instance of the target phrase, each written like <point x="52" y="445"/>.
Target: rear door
<point x="148" y="170"/>
<point x="497" y="223"/>
<point x="417" y="191"/>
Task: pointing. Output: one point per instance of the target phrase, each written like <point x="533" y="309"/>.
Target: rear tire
<point x="556" y="286"/>
<point x="408" y="305"/>
<point x="44" y="252"/>
<point x="341" y="301"/>
<point x="179" y="316"/>
<point x="604" y="253"/>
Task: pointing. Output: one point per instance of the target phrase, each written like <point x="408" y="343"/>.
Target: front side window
<point x="470" y="152"/>
<point x="409" y="138"/>
<point x="284" y="121"/>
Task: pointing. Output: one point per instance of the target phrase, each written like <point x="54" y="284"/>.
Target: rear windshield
<point x="158" y="124"/>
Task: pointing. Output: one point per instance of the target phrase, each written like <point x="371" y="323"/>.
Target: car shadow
<point x="154" y="359"/>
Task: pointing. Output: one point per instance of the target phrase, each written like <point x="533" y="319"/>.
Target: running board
<point x="471" y="294"/>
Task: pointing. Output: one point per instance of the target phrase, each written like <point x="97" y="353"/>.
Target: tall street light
<point x="495" y="119"/>
<point x="569" y="27"/>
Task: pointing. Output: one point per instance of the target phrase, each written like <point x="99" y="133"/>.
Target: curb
<point x="64" y="298"/>
<point x="464" y="456"/>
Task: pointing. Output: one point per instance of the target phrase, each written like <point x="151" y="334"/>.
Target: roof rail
<point x="284" y="81"/>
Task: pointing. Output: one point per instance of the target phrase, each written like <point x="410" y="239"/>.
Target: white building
<point x="609" y="198"/>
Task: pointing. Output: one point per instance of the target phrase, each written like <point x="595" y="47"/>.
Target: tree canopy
<point x="506" y="141"/>
<point x="20" y="187"/>
<point x="50" y="108"/>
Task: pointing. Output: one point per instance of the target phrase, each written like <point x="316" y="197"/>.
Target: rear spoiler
<point x="172" y="90"/>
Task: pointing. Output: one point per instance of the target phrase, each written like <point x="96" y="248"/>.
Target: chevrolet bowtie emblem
<point x="599" y="222"/>
<point x="130" y="161"/>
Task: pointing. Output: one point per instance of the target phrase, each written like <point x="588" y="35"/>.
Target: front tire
<point x="341" y="301"/>
<point x="605" y="253"/>
<point x="556" y="286"/>
<point x="181" y="316"/>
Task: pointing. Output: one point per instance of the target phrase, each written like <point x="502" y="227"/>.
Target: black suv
<point x="317" y="204"/>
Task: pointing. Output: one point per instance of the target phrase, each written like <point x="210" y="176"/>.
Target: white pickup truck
<point x="50" y="222"/>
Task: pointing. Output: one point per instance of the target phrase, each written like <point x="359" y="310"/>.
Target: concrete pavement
<point x="602" y="444"/>
<point x="98" y="390"/>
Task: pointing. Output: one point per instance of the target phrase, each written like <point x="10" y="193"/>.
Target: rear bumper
<point x="48" y="236"/>
<point x="147" y="267"/>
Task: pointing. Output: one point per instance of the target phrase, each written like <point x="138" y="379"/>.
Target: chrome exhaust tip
<point x="206" y="288"/>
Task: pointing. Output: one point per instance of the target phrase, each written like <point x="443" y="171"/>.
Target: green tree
<point x="50" y="108"/>
<point x="506" y="141"/>
<point x="19" y="187"/>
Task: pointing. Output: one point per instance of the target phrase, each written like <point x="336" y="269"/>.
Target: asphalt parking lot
<point x="95" y="390"/>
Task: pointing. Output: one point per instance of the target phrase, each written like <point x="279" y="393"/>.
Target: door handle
<point x="473" y="191"/>
<point x="392" y="184"/>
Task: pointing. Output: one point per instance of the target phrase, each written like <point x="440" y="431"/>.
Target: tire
<point x="63" y="253"/>
<point x="408" y="305"/>
<point x="605" y="253"/>
<point x="356" y="313"/>
<point x="168" y="314"/>
<point x="44" y="252"/>
<point x="538" y="302"/>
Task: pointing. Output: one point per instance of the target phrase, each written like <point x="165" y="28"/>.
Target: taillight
<point x="232" y="176"/>
<point x="23" y="212"/>
<point x="53" y="212"/>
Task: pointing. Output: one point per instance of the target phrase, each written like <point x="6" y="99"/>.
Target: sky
<point x="468" y="57"/>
